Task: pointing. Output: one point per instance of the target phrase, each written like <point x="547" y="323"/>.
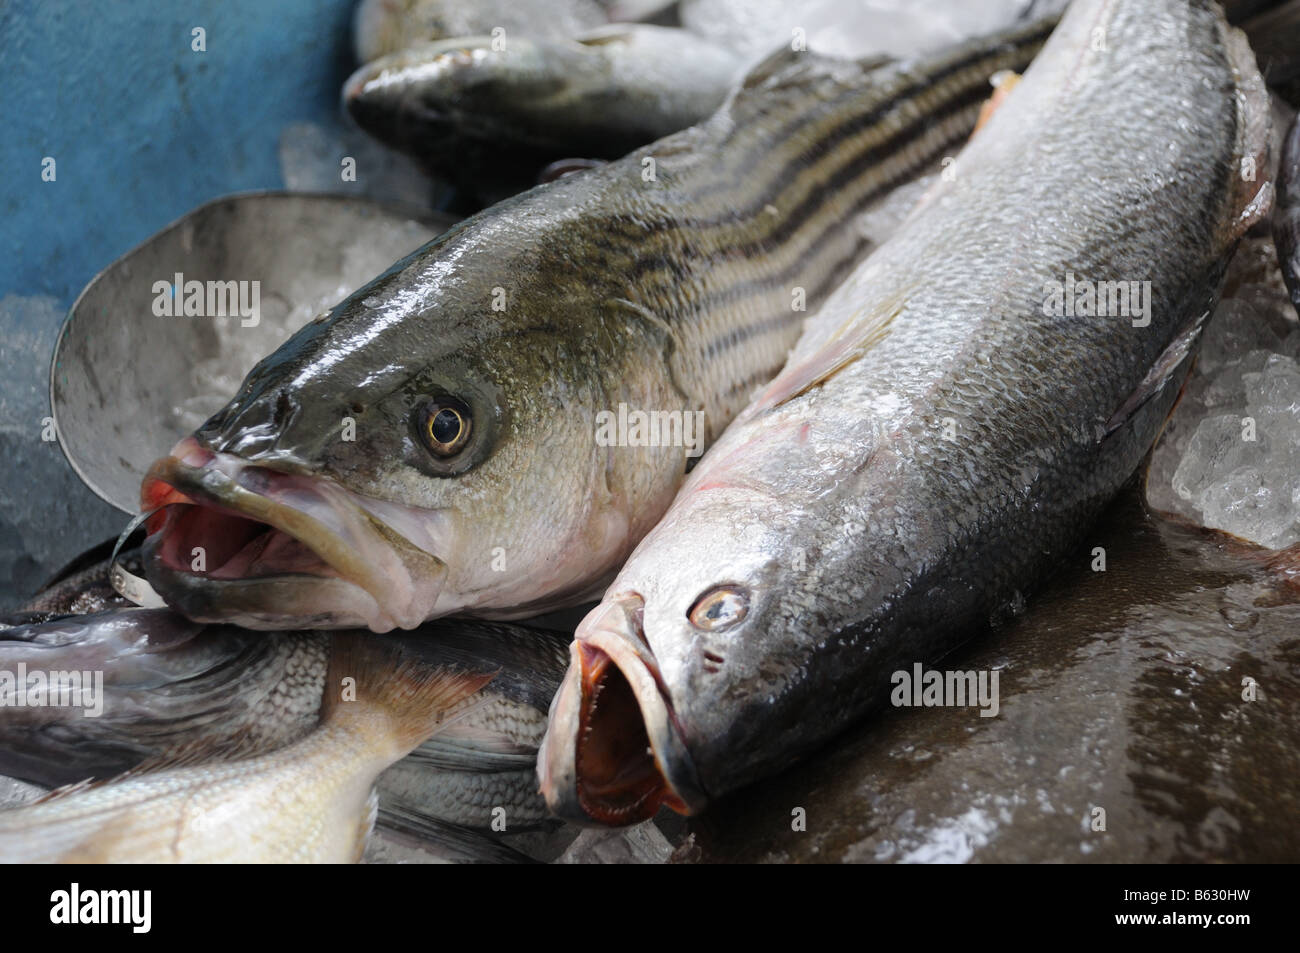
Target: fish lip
<point x="196" y="476"/>
<point x="610" y="636"/>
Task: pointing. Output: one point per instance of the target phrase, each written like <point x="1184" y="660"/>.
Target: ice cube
<point x="642" y="844"/>
<point x="1246" y="506"/>
<point x="1226" y="389"/>
<point x="1217" y="448"/>
<point x="1274" y="388"/>
<point x="1235" y="329"/>
<point x="1246" y="383"/>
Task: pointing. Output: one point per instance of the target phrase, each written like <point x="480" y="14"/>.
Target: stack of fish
<point x="528" y="398"/>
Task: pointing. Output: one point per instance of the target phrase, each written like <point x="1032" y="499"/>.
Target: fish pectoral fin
<point x="837" y="351"/>
<point x="1166" y="369"/>
<point x="479" y="751"/>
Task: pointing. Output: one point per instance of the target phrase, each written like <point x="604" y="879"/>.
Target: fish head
<point x="666" y="697"/>
<point x="410" y="454"/>
<point x="421" y="98"/>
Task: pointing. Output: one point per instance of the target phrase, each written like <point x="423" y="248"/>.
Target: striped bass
<point x="490" y="426"/>
<point x="946" y="430"/>
<point x="479" y="112"/>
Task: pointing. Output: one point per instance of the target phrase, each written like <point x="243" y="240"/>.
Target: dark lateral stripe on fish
<point x="781" y="280"/>
<point x="871" y="166"/>
<point x="671" y="269"/>
<point x="1015" y="52"/>
<point x="788" y="316"/>
<point x="1017" y="48"/>
<point x="828" y="173"/>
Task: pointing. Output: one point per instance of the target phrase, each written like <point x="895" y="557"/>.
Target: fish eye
<point x="445" y="426"/>
<point x="719" y="608"/>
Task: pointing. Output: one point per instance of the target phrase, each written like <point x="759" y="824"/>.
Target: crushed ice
<point x="1229" y="458"/>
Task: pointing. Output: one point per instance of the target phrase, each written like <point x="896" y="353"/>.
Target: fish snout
<point x="270" y="546"/>
<point x="372" y="106"/>
<point x="613" y="752"/>
<point x="397" y="100"/>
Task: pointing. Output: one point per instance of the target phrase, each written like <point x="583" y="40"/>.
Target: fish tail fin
<point x="394" y="700"/>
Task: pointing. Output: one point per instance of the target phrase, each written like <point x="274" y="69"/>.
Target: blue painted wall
<point x="142" y="129"/>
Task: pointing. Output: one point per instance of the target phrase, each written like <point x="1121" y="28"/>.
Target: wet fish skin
<point x="171" y="684"/>
<point x="471" y="109"/>
<point x="834" y="532"/>
<point x="481" y="771"/>
<point x="1286" y="213"/>
<point x="671" y="292"/>
<point x="309" y="802"/>
<point x="167" y="681"/>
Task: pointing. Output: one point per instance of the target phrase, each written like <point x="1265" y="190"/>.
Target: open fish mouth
<point x="614" y="752"/>
<point x="234" y="541"/>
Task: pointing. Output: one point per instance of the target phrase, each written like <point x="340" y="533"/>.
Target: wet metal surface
<point x="299" y="253"/>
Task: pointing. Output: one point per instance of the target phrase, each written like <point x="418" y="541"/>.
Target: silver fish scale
<point x="1112" y="164"/>
<point x="473" y="799"/>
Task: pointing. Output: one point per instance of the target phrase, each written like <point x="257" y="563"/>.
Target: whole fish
<point x="476" y="108"/>
<point x="312" y="801"/>
<point x="946" y="430"/>
<point x="472" y="432"/>
<point x="169" y="684"/>
<point x="386" y="26"/>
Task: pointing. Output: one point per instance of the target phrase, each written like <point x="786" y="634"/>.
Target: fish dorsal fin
<point x="190" y="754"/>
<point x="198" y="751"/>
<point x="67" y="790"/>
<point x="795" y="71"/>
<point x="837" y="350"/>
